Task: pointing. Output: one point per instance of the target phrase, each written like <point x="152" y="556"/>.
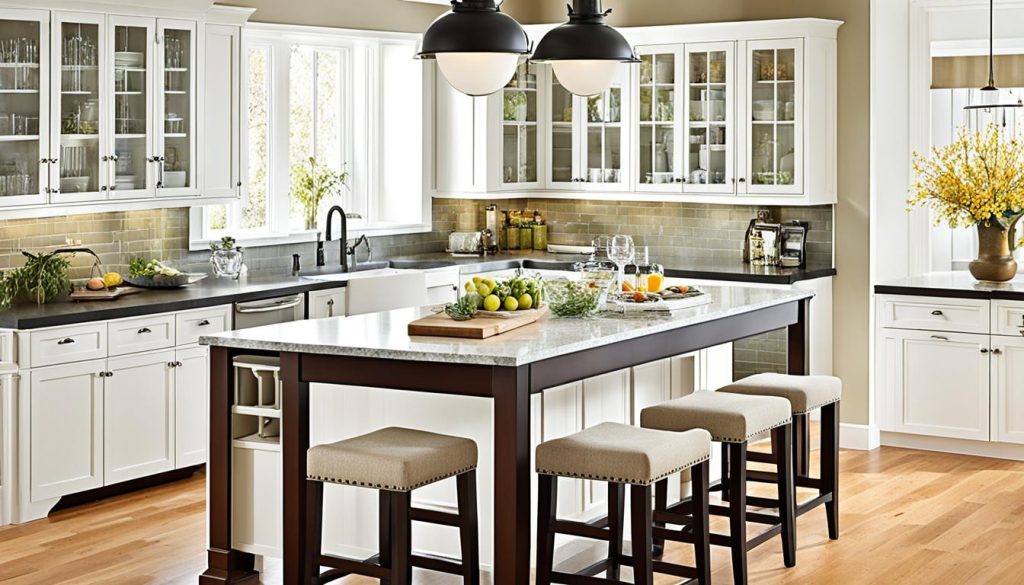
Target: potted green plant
<point x="226" y="258"/>
<point x="43" y="278"/>
<point x="312" y="183"/>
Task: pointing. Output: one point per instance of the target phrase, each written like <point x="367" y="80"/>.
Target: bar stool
<point x="396" y="461"/>
<point x="734" y="420"/>
<point x="805" y="395"/>
<point x="620" y="455"/>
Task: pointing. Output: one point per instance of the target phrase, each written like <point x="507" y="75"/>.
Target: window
<point x="350" y="102"/>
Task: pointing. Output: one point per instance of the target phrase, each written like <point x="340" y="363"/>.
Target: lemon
<point x="476" y="280"/>
<point x="525" y="301"/>
<point x="470" y="287"/>
<point x="483" y="290"/>
<point x="112" y="279"/>
<point x="492" y="303"/>
<point x="511" y="304"/>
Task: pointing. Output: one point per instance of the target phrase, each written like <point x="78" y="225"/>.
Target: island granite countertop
<point x="958" y="284"/>
<point x="385" y="335"/>
<point x="257" y="286"/>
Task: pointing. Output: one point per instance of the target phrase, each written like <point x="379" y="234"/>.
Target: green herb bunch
<point x="41" y="279"/>
<point x="571" y="299"/>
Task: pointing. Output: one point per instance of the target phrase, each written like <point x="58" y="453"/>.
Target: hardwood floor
<point x="907" y="517"/>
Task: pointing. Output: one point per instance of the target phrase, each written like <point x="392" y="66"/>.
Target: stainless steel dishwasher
<point x="270" y="311"/>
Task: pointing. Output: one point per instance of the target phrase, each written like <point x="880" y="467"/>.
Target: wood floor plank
<point x="908" y="517"/>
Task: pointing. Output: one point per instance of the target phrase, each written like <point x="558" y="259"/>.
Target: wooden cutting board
<point x="104" y="295"/>
<point x="441" y="325"/>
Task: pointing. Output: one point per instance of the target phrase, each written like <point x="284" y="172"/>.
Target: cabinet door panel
<point x="138" y="409"/>
<point x="605" y="399"/>
<point x="942" y="384"/>
<point x="774" y="125"/>
<point x="518" y="131"/>
<point x="131" y="59"/>
<point x="710" y="119"/>
<point x="176" y="109"/>
<point x="327" y="303"/>
<point x="563" y="408"/>
<point x="659" y="115"/>
<point x="221" y="116"/>
<point x="65" y="430"/>
<point x="1008" y="390"/>
<point x="191" y="406"/>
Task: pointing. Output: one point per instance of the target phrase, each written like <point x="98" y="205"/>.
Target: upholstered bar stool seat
<point x="729" y="418"/>
<point x="393" y="459"/>
<point x="805" y="393"/>
<point x="624" y="455"/>
<point x="734" y="420"/>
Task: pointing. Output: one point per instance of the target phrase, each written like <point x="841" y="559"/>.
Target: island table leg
<point x="224" y="565"/>
<point x="799" y="358"/>
<point x="296" y="553"/>
<point x="512" y="534"/>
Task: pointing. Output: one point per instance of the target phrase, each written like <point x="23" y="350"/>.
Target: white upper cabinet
<point x="106" y="109"/>
<point x="720" y="113"/>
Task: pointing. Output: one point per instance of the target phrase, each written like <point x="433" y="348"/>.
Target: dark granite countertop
<point x="212" y="291"/>
<point x="959" y="284"/>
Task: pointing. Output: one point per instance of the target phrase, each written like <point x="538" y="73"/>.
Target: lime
<point x="492" y="303"/>
<point x="511" y="304"/>
<point x="525" y="301"/>
<point x="483" y="290"/>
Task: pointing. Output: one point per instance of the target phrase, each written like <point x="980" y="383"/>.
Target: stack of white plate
<point x="125" y="182"/>
<point x="129" y="59"/>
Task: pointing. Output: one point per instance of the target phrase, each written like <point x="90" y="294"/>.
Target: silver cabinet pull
<point x="66" y="341"/>
<point x="145" y="330"/>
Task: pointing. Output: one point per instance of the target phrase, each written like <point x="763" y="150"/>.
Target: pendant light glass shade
<point x="476" y="45"/>
<point x="585" y="52"/>
<point x="993" y="108"/>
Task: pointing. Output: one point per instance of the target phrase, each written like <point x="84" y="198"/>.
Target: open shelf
<point x="18" y="91"/>
<point x="19" y="138"/>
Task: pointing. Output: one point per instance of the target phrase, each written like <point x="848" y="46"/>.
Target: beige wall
<point x="852" y="290"/>
<point x="391" y="15"/>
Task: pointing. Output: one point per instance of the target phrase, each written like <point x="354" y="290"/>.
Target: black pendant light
<point x="585" y="52"/>
<point x="990" y="110"/>
<point x="476" y="45"/>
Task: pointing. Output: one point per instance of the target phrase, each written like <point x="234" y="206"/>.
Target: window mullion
<point x="278" y="200"/>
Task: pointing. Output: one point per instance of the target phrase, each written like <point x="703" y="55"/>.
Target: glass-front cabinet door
<point x="175" y="156"/>
<point x="564" y="147"/>
<point x="659" y="105"/>
<point x="24" y="89"/>
<point x="77" y="106"/>
<point x="604" y="140"/>
<point x="130" y="172"/>
<point x="519" y="129"/>
<point x="710" y="109"/>
<point x="774" y="134"/>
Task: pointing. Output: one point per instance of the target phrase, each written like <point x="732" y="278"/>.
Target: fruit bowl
<point x="158" y="282"/>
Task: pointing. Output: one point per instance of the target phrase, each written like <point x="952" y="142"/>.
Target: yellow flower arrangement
<point x="979" y="178"/>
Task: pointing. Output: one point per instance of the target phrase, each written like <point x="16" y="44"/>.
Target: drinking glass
<point x="621" y="251"/>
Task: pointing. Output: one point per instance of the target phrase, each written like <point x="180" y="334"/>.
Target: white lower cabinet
<point x="191" y="405"/>
<point x="605" y="399"/>
<point x="442" y="295"/>
<point x="1008" y="389"/>
<point x="326" y="303"/>
<point x="938" y="382"/>
<point x="64" y="442"/>
<point x="138" y="415"/>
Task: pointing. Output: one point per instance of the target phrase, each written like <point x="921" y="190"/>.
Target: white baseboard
<point x="859" y="437"/>
<point x="958" y="446"/>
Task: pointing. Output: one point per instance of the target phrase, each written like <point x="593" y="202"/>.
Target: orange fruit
<point x="626" y="287"/>
<point x="655" y="282"/>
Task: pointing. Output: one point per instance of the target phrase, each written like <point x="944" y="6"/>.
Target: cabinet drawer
<point x="139" y="334"/>
<point x="191" y="325"/>
<point x="935" y="314"/>
<point x="61" y="345"/>
<point x="1008" y="318"/>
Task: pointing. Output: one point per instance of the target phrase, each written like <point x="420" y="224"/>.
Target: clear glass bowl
<point x="573" y="299"/>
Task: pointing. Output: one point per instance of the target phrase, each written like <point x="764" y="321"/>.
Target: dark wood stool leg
<point x="701" y="528"/>
<point x="616" y="517"/>
<point x="468" y="529"/>
<point x="830" y="465"/>
<point x="782" y="438"/>
<point x="725" y="472"/>
<point x="384" y="531"/>
<point x="801" y="445"/>
<point x="315" y="522"/>
<point x="642" y="523"/>
<point x="660" y="505"/>
<point x="547" y="509"/>
<point x="738" y="509"/>
<point x="401" y="539"/>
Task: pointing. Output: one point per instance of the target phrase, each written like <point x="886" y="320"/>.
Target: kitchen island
<point x="375" y="351"/>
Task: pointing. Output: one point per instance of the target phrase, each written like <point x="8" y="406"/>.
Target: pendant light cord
<point x="991" y="43"/>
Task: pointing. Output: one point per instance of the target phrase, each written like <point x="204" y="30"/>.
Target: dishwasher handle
<point x="248" y="309"/>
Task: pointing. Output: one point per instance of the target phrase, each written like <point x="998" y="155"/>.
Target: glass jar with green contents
<point x="512" y="237"/>
<point x="526" y="237"/>
<point x="540" y="237"/>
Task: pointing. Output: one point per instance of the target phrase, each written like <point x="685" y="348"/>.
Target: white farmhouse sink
<point x="347" y="276"/>
<point x="372" y="291"/>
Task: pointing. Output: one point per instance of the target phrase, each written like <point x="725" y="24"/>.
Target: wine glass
<point x="621" y="251"/>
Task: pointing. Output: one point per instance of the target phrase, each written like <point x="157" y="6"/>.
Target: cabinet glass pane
<point x="707" y="139"/>
<point x="131" y="107"/>
<point x="519" y="121"/>
<point x="19" y="108"/>
<point x="657" y="119"/>
<point x="604" y="137"/>
<point x="773" y="111"/>
<point x="79" y="108"/>
<point x="177" y="150"/>
<point x="561" y="134"/>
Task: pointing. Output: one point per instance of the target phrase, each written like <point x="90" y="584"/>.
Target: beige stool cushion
<point x="805" y="393"/>
<point x="392" y="459"/>
<point x="730" y="418"/>
<point x="623" y="454"/>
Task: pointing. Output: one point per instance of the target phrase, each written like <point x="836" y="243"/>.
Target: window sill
<point x="259" y="240"/>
